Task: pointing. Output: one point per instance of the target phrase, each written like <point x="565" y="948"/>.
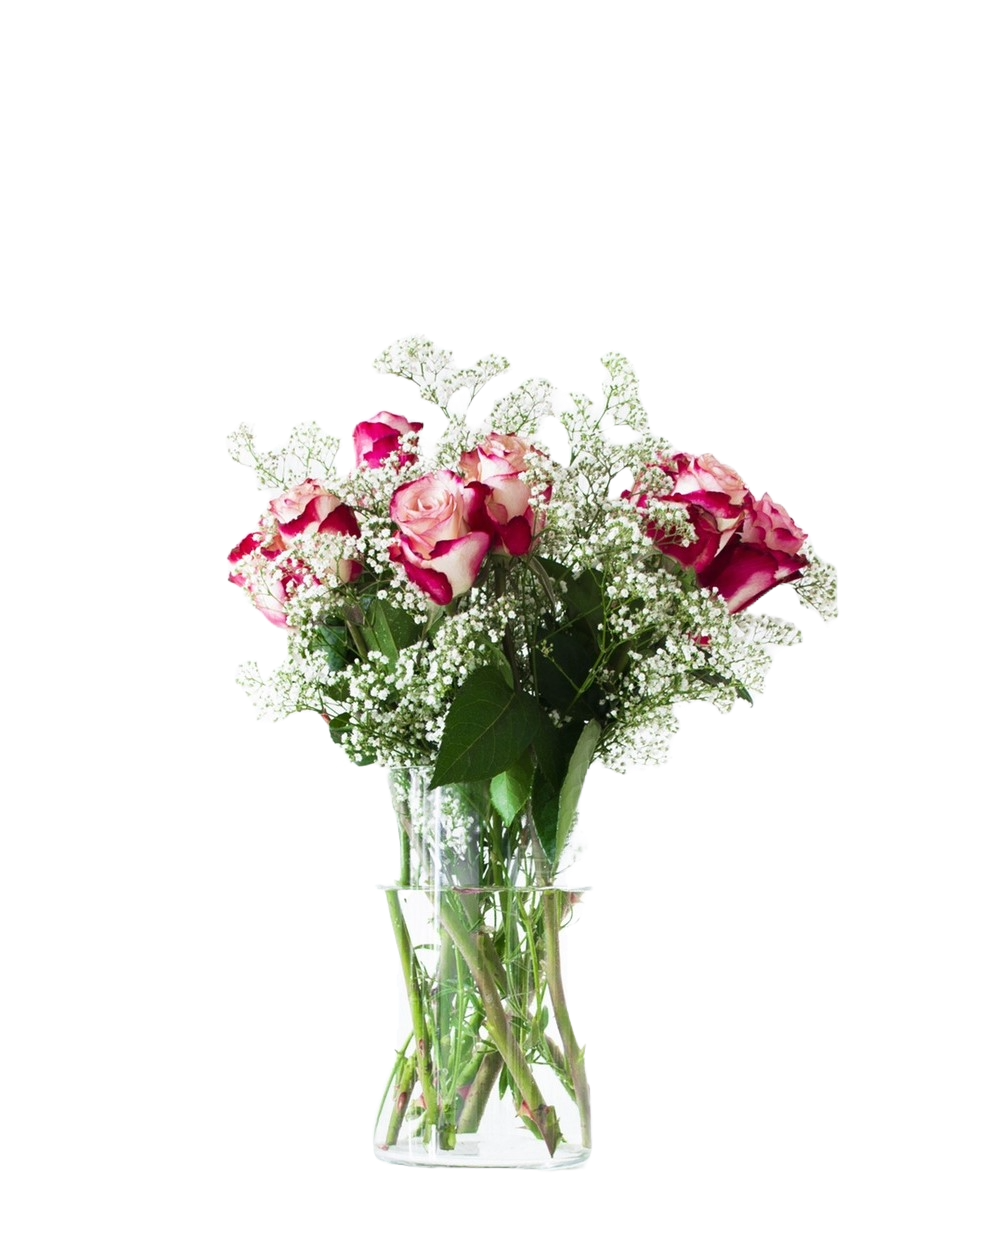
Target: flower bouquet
<point x="536" y="593"/>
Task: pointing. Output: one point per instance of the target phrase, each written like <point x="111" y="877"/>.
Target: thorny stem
<point x="403" y="1090"/>
<point x="480" y="1092"/>
<point x="574" y="1054"/>
<point x="499" y="1028"/>
<point x="476" y="984"/>
<point x="405" y="952"/>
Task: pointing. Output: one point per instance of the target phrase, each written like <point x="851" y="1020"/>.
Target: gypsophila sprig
<point x="603" y="588"/>
<point x="486" y="621"/>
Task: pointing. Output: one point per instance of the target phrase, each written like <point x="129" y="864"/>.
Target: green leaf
<point x="561" y="670"/>
<point x="332" y="639"/>
<point x="488" y="728"/>
<point x="563" y="755"/>
<point x="553" y="746"/>
<point x="546" y="813"/>
<point x="686" y="575"/>
<point x="500" y="661"/>
<point x="714" y="679"/>
<point x="580" y="760"/>
<point x="389" y="629"/>
<point x="557" y="571"/>
<point x="510" y="791"/>
<point x="585" y="600"/>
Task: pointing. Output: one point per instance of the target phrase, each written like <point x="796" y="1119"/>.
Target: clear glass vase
<point x="488" y="1072"/>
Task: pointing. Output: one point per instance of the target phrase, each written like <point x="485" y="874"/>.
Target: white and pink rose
<point x="500" y="500"/>
<point x="742" y="548"/>
<point x="310" y="508"/>
<point x="375" y="440"/>
<point x="263" y="562"/>
<point x="269" y="579"/>
<point x="764" y="554"/>
<point x="441" y="553"/>
<point x="714" y="497"/>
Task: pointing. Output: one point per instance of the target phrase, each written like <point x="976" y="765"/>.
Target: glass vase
<point x="488" y="1071"/>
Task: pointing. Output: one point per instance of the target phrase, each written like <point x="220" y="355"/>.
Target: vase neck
<point x="453" y="836"/>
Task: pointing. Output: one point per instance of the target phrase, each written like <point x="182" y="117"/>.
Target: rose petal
<point x="434" y="584"/>
<point x="309" y="520"/>
<point x="719" y="505"/>
<point x="246" y="547"/>
<point x="460" y="560"/>
<point x="702" y="551"/>
<point x="375" y="440"/>
<point x="341" y="520"/>
<point x="743" y="573"/>
<point x="516" y="536"/>
<point x="431" y="509"/>
<point x="449" y="571"/>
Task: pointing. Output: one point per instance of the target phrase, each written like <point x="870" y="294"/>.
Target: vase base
<point x="472" y="1155"/>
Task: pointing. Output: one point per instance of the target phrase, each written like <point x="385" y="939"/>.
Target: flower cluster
<point x="268" y="563"/>
<point x="741" y="547"/>
<point x="448" y="522"/>
<point x="495" y="610"/>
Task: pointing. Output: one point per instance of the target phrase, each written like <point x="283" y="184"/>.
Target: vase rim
<point x="571" y="889"/>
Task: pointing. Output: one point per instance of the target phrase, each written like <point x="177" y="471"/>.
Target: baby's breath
<point x="599" y="607"/>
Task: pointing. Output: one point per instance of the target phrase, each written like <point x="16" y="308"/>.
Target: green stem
<point x="406" y="862"/>
<point x="552" y="907"/>
<point x="403" y="1090"/>
<point x="499" y="1028"/>
<point x="480" y="1092"/>
<point x="559" y="1061"/>
<point x="449" y="1037"/>
<point x="393" y="1078"/>
<point x="419" y="1029"/>
<point x="546" y="584"/>
<point x="356" y="638"/>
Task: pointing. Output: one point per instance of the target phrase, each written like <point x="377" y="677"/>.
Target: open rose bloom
<point x="435" y="543"/>
<point x="742" y="548"/>
<point x="501" y="500"/>
<point x="447" y="524"/>
<point x="400" y="573"/>
<point x="295" y="549"/>
<point x="486" y="620"/>
<point x="268" y="577"/>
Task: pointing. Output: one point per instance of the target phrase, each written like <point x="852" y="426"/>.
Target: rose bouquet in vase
<point x="485" y="622"/>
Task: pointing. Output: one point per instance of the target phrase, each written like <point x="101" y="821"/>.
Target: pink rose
<point x="270" y="584"/>
<point x="743" y="548"/>
<point x="434" y="542"/>
<point x="765" y="553"/>
<point x="714" y="497"/>
<point x="309" y="508"/>
<point x="264" y="564"/>
<point x="500" y="501"/>
<point x="375" y="440"/>
<point x="431" y="509"/>
<point x="769" y="526"/>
